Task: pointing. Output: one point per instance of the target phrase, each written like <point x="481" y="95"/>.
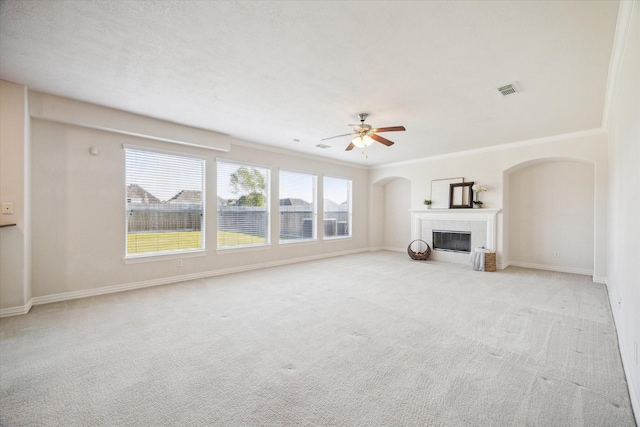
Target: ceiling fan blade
<point x="389" y="129"/>
<point x="350" y="146"/>
<point x="338" y="136"/>
<point x="381" y="140"/>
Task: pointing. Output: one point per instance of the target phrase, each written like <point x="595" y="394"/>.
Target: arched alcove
<point x="390" y="213"/>
<point x="549" y="215"/>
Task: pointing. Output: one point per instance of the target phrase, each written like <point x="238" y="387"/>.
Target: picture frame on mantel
<point x="441" y="192"/>
<point x="461" y="195"/>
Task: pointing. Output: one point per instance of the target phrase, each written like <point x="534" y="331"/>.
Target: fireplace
<point x="453" y="241"/>
<point x="480" y="224"/>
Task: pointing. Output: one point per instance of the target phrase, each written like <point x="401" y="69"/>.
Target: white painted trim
<point x="623" y="26"/>
<point x="489" y="216"/>
<point x="65" y="296"/>
<point x="163" y="257"/>
<point x="634" y="394"/>
<point x="17" y="310"/>
<point x="600" y="279"/>
<point x="92" y="116"/>
<point x="145" y="148"/>
<point x="389" y="248"/>
<point x="507" y="146"/>
<point x="582" y="271"/>
<point x="243" y="248"/>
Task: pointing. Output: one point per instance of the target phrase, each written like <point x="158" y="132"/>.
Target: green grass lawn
<point x="230" y="238"/>
<point x="139" y="243"/>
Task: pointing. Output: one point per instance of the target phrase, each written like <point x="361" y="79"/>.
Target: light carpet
<point x="369" y="339"/>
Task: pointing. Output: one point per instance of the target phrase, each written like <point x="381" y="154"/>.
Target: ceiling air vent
<point x="323" y="146"/>
<point x="510" y="89"/>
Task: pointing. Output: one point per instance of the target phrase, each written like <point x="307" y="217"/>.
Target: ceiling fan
<point x="365" y="134"/>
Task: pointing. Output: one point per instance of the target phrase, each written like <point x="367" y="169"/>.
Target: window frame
<point x="251" y="246"/>
<point x="349" y="207"/>
<point x="314" y="212"/>
<point x="174" y="254"/>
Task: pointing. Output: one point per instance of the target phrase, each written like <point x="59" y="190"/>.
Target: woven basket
<point x="490" y="261"/>
<point x="419" y="256"/>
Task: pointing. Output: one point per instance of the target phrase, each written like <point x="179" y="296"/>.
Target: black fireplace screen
<point x="454" y="241"/>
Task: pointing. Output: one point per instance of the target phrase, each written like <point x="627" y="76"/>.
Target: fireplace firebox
<point x="452" y="241"/>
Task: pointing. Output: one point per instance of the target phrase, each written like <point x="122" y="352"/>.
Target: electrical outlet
<point x="556" y="254"/>
<point x="179" y="263"/>
<point x="7" y="208"/>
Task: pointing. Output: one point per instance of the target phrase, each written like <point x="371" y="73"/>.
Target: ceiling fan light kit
<point x="362" y="141"/>
<point x="365" y="134"/>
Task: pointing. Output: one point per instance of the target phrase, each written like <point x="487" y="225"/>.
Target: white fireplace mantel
<point x="488" y="216"/>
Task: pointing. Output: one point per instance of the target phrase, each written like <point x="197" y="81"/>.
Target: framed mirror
<point x="461" y="195"/>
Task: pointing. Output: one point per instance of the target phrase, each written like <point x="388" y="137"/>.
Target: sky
<point x="163" y="175"/>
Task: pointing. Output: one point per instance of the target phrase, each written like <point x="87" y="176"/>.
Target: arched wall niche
<point x="549" y="214"/>
<point x="390" y="213"/>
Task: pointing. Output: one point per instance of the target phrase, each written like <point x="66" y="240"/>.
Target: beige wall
<point x="488" y="168"/>
<point x="397" y="218"/>
<point x="15" y="258"/>
<point x="624" y="203"/>
<point x="79" y="221"/>
<point x="551" y="212"/>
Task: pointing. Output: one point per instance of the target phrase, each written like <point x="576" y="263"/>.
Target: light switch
<point x="7" y="208"/>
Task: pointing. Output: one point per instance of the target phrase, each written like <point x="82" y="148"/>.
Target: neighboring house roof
<point x="331" y="206"/>
<point x="135" y="193"/>
<point x="289" y="201"/>
<point x="187" y="196"/>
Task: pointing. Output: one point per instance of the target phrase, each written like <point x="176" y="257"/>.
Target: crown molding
<point x="623" y="27"/>
<point x="492" y="148"/>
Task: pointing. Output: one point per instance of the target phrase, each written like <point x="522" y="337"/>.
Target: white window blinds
<point x="164" y="202"/>
<point x="337" y="207"/>
<point x="297" y="206"/>
<point x="243" y="205"/>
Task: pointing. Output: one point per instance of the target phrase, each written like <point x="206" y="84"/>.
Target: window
<point x="243" y="205"/>
<point x="337" y="207"/>
<point x="165" y="202"/>
<point x="297" y="206"/>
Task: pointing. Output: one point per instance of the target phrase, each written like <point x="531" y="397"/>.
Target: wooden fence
<point x="150" y="217"/>
<point x="294" y="223"/>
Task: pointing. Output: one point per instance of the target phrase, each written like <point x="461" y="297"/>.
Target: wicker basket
<point x="490" y="261"/>
<point x="419" y="256"/>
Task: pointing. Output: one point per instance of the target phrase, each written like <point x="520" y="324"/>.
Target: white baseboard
<point x="389" y="248"/>
<point x="634" y="394"/>
<point x="583" y="271"/>
<point x="599" y="279"/>
<point x="65" y="296"/>
<point x="15" y="311"/>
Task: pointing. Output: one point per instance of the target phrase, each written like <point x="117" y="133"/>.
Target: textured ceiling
<point x="271" y="72"/>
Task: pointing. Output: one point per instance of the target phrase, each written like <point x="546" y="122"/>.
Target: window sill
<point x="163" y="257"/>
<point x="236" y="249"/>
<point x="300" y="242"/>
<point x="336" y="238"/>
